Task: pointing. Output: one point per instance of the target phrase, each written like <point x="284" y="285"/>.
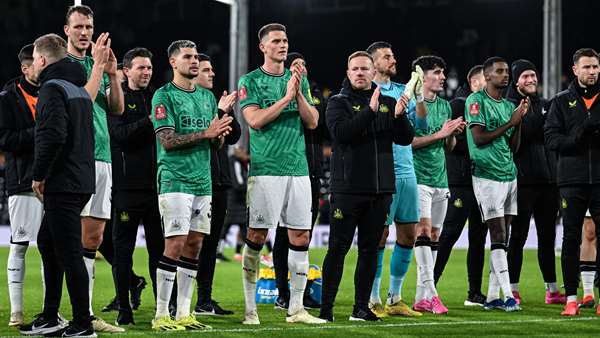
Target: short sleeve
<point x="473" y="111"/>
<point x="106" y="81"/>
<point x="247" y="93"/>
<point x="162" y="112"/>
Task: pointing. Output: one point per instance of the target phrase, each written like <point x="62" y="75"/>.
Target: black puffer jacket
<point x="132" y="143"/>
<point x="458" y="162"/>
<point x="314" y="138"/>
<point x="536" y="164"/>
<point x="64" y="131"/>
<point x="219" y="160"/>
<point x="362" y="159"/>
<point x="16" y="135"/>
<point x="578" y="153"/>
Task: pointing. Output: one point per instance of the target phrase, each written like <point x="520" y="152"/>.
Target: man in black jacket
<point x="313" y="139"/>
<point x="538" y="196"/>
<point x="462" y="204"/>
<point x="363" y="126"/>
<point x="17" y="120"/>
<point x="63" y="177"/>
<point x="221" y="182"/>
<point x="573" y="130"/>
<point x="134" y="195"/>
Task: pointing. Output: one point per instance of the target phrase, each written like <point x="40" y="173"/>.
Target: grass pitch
<point x="536" y="319"/>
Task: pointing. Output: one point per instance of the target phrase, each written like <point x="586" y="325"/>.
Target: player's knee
<point x="299" y="237"/>
<point x="257" y="237"/>
<point x="93" y="240"/>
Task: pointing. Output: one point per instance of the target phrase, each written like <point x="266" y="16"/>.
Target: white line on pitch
<point x="354" y="326"/>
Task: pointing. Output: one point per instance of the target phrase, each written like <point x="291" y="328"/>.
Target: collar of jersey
<point x="431" y="101"/>
<point x="76" y="57"/>
<point x="271" y="74"/>
<point x="490" y="96"/>
<point x="183" y="89"/>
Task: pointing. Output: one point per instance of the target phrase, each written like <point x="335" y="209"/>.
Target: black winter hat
<point x="519" y="66"/>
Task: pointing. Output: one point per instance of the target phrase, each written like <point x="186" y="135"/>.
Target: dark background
<point x="325" y="31"/>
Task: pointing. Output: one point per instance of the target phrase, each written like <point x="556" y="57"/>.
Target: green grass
<point x="536" y="320"/>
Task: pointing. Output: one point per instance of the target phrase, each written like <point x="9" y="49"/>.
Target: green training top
<point x="101" y="136"/>
<point x="430" y="161"/>
<point x="185" y="170"/>
<point x="276" y="149"/>
<point x="493" y="161"/>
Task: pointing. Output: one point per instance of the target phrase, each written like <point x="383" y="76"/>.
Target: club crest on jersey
<point x="124" y="216"/>
<point x="243" y="94"/>
<point x="474" y="108"/>
<point x="458" y="203"/>
<point x="383" y="108"/>
<point x="160" y="113"/>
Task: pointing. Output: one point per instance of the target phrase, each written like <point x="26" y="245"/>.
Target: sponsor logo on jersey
<point x="316" y="101"/>
<point x="572" y="104"/>
<point x="243" y="93"/>
<point x="356" y="108"/>
<point x="190" y="122"/>
<point x="131" y="106"/>
<point x="458" y="203"/>
<point x="337" y="214"/>
<point x="160" y="113"/>
<point x="563" y="203"/>
<point x="474" y="108"/>
<point x="124" y="216"/>
<point x="383" y="108"/>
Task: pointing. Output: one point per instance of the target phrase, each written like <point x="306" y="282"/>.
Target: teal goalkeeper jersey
<point x="185" y="170"/>
<point x="278" y="148"/>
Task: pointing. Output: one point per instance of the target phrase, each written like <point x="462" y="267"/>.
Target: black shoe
<point x="211" y="309"/>
<point x="136" y="292"/>
<point x="309" y="303"/>
<point x="125" y="317"/>
<point x="42" y="325"/>
<point x="326" y="314"/>
<point x="363" y="314"/>
<point x="222" y="258"/>
<point x="475" y="299"/>
<point x="112" y="306"/>
<point x="74" y="330"/>
<point x="282" y="303"/>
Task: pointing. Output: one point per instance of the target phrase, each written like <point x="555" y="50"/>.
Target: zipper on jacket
<point x="376" y="161"/>
<point x="124" y="165"/>
<point x="589" y="115"/>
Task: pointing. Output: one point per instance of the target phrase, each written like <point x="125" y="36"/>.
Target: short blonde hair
<point x="359" y="54"/>
<point x="51" y="46"/>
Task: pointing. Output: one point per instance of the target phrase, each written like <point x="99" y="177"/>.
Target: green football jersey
<point x="493" y="161"/>
<point x="430" y="161"/>
<point x="101" y="136"/>
<point x="277" y="149"/>
<point x="185" y="170"/>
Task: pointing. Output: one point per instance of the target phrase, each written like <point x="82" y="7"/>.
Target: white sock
<point x="551" y="287"/>
<point x="424" y="260"/>
<point x="298" y="266"/>
<point x="250" y="265"/>
<point x="90" y="267"/>
<point x="514" y="287"/>
<point x="493" y="287"/>
<point x="587" y="281"/>
<point x="434" y="256"/>
<point x="421" y="293"/>
<point x="15" y="273"/>
<point x="185" y="290"/>
<point x="500" y="264"/>
<point x="571" y="299"/>
<point x="164" y="287"/>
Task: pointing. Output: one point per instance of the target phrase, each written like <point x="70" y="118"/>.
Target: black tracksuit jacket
<point x="578" y="150"/>
<point x="16" y="135"/>
<point x="64" y="131"/>
<point x="362" y="161"/>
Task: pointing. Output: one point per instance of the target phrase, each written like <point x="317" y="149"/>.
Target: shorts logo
<point x="124" y="216"/>
<point x="243" y="94"/>
<point x="356" y="108"/>
<point x="160" y="113"/>
<point x="458" y="203"/>
<point x="176" y="224"/>
<point x="474" y="108"/>
<point x="337" y="214"/>
<point x="21" y="231"/>
<point x="260" y="219"/>
<point x="563" y="203"/>
<point x="383" y="108"/>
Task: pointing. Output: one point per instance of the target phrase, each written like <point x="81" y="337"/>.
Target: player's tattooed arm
<point x="173" y="141"/>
